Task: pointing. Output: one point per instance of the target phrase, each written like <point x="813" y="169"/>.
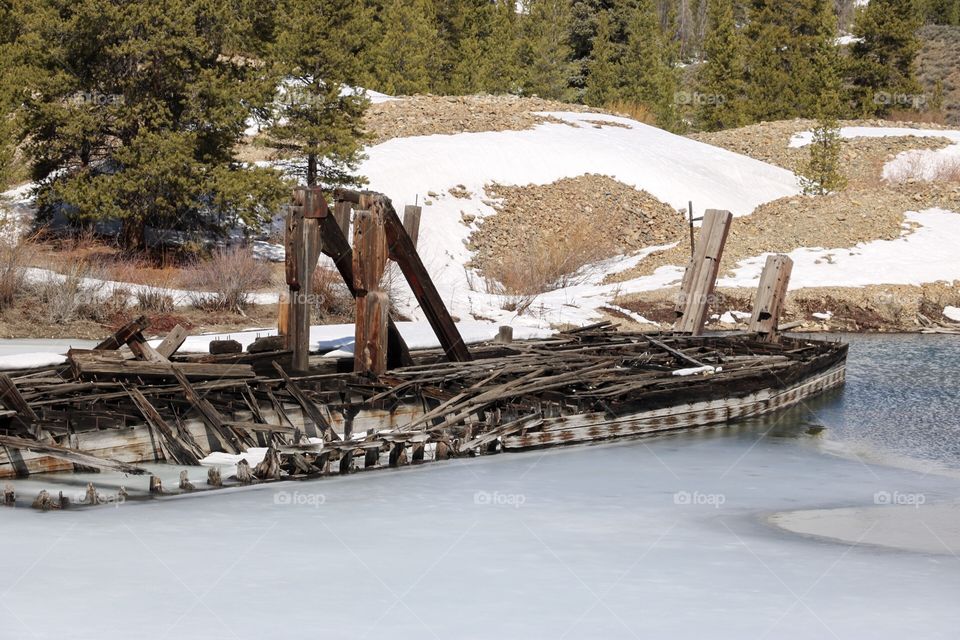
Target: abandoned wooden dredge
<point x="126" y="403"/>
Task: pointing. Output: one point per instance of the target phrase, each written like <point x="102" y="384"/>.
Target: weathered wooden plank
<point x="370" y="346"/>
<point x="312" y="411"/>
<point x="87" y="363"/>
<point x="70" y="455"/>
<point x="405" y="255"/>
<point x="210" y="416"/>
<point x="123" y="334"/>
<point x="771" y="296"/>
<point x="179" y="451"/>
<point x="341" y="214"/>
<point x="172" y="342"/>
<point x="700" y="277"/>
<point x="411" y="222"/>
<point x="145" y="352"/>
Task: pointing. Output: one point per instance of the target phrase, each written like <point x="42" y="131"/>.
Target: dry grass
<point x="630" y="109"/>
<point x="13" y="282"/>
<point x="225" y="281"/>
<point x="553" y="260"/>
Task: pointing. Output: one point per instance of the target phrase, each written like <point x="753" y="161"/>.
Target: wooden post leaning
<point x="411" y="222"/>
<point x="771" y="297"/>
<point x="700" y="278"/>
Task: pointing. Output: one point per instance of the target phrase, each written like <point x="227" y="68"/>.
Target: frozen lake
<point x="664" y="537"/>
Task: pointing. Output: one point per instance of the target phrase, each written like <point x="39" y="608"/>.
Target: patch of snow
<point x="822" y="315"/>
<point x="268" y="251"/>
<point x="847" y="39"/>
<point x="31" y="360"/>
<point x="694" y="371"/>
<point x="953" y="313"/>
<point x="928" y="254"/>
<point x="636" y="317"/>
<point x="728" y="318"/>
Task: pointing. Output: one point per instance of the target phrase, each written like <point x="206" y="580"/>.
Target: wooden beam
<point x="405" y="255"/>
<point x="771" y="296"/>
<point x="700" y="277"/>
<point x="309" y="408"/>
<point x="335" y="246"/>
<point x="411" y="222"/>
<point x="341" y="214"/>
<point x="70" y="455"/>
<point x="210" y="416"/>
<point x="172" y="342"/>
<point x="145" y="352"/>
<point x="123" y="334"/>
<point x="180" y="453"/>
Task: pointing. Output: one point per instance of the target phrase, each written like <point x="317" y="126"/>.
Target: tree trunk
<point x="132" y="237"/>
<point x="311" y="170"/>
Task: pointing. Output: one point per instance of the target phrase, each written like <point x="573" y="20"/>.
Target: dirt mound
<point x="592" y="209"/>
<point x="428" y="115"/>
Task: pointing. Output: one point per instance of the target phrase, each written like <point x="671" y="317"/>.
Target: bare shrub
<point x="14" y="258"/>
<point x="225" y="281"/>
<point x="924" y="166"/>
<point x="72" y="295"/>
<point x="331" y="298"/>
<point x="153" y="301"/>
<point x="554" y="259"/>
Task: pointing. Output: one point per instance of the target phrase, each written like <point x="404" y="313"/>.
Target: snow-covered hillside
<point x="674" y="169"/>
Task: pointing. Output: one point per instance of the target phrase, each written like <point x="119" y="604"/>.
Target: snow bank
<point x="928" y="254"/>
<point x="31" y="360"/>
<point x="953" y="313"/>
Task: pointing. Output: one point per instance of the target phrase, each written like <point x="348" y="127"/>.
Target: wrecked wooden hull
<point x="577" y="388"/>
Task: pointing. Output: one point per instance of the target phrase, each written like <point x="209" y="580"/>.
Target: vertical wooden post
<point x="369" y="261"/>
<point x="771" y="296"/>
<point x="341" y="213"/>
<point x="303" y="246"/>
<point x="411" y="222"/>
<point x="700" y="278"/>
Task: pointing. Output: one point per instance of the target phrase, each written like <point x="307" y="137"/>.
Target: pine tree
<point x="602" y="69"/>
<point x="649" y="77"/>
<point x="136" y="116"/>
<point x="821" y="174"/>
<point x="317" y="120"/>
<point x="545" y="52"/>
<point x="720" y="88"/>
<point x="882" y="61"/>
<point x="405" y="59"/>
<point x="484" y="51"/>
<point x="791" y="57"/>
<point x="945" y="12"/>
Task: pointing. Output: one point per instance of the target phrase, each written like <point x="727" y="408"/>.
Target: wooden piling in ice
<point x="771" y="296"/>
<point x="700" y="277"/>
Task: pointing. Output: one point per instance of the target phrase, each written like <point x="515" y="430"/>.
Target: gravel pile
<point x="592" y="207"/>
<point x="424" y="115"/>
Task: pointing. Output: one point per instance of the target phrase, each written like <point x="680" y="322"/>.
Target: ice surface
<point x="662" y="538"/>
<point x="666" y="537"/>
